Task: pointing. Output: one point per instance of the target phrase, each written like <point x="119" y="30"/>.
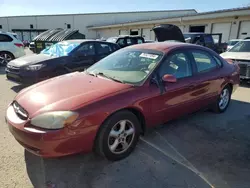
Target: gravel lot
<point x="200" y="150"/>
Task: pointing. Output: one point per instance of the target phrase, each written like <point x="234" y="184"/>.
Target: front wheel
<point x="118" y="136"/>
<point x="223" y="100"/>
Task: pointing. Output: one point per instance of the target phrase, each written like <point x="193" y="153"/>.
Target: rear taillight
<point x="19" y="45"/>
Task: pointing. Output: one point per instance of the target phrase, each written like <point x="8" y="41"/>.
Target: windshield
<point x="60" y="49"/>
<point x="128" y="65"/>
<point x="242" y="46"/>
<point x="232" y="42"/>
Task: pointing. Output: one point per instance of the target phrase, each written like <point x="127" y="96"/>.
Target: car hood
<point x="236" y="55"/>
<point x="167" y="32"/>
<point x="67" y="92"/>
<point x="30" y="59"/>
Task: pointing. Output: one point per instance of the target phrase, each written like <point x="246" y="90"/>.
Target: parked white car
<point x="10" y="47"/>
<point x="240" y="54"/>
<point x="232" y="42"/>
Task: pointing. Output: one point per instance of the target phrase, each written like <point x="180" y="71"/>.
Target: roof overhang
<point x="197" y="16"/>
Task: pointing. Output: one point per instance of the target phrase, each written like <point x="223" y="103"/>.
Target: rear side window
<point x="5" y="38"/>
<point x="115" y="47"/>
<point x="87" y="49"/>
<point x="203" y="61"/>
<point x="121" y="42"/>
<point x="208" y="39"/>
<point x="218" y="61"/>
<point x="103" y="48"/>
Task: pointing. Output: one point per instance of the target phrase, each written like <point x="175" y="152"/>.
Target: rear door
<point x="207" y="77"/>
<point x="103" y="49"/>
<point x="83" y="57"/>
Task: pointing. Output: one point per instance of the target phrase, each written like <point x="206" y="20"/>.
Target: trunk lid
<point x="165" y="32"/>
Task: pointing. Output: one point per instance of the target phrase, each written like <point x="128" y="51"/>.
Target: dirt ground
<point x="196" y="151"/>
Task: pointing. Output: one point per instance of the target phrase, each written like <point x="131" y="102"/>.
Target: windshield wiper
<point x="109" y="77"/>
<point x="90" y="73"/>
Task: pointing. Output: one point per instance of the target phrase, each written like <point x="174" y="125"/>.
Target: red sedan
<point x="107" y="107"/>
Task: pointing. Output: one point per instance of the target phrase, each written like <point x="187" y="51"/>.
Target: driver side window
<point x="177" y="64"/>
<point x="87" y="49"/>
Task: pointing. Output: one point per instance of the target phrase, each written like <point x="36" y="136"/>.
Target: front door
<point x="83" y="57"/>
<point x="177" y="99"/>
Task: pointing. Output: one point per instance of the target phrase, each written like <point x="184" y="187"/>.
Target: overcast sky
<point x="34" y="7"/>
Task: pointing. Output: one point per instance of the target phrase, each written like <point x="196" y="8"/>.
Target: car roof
<point x="236" y="39"/>
<point x="162" y="46"/>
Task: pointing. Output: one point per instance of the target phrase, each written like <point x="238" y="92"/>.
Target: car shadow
<point x="18" y="88"/>
<point x="213" y="146"/>
<point x="2" y="70"/>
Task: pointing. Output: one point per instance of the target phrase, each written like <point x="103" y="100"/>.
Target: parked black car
<point x="60" y="58"/>
<point x="126" y="40"/>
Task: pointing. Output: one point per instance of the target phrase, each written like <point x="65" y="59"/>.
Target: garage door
<point x="244" y="29"/>
<point x="148" y="34"/>
<point x="124" y="32"/>
<point x="26" y="36"/>
<point x="33" y="34"/>
<point x="223" y="28"/>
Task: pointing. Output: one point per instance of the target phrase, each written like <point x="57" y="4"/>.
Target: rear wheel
<point x="5" y="57"/>
<point x="118" y="136"/>
<point x="223" y="100"/>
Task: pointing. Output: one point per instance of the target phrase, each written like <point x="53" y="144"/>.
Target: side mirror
<point x="169" y="78"/>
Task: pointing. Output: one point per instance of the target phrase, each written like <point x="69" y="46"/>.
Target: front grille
<point x="20" y="111"/>
<point x="13" y="69"/>
<point x="243" y="69"/>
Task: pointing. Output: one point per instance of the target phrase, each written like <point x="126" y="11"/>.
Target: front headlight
<point x="35" y="67"/>
<point x="54" y="120"/>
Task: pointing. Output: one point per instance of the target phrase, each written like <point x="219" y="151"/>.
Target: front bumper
<point x="48" y="143"/>
<point x="23" y="77"/>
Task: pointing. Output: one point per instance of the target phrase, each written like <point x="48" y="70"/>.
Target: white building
<point x="232" y="23"/>
<point x="27" y="27"/>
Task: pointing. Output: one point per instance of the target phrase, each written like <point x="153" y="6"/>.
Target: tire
<point x="112" y="134"/>
<point x="220" y="106"/>
<point x="5" y="57"/>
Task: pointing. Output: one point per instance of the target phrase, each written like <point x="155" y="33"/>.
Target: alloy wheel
<point x="121" y="136"/>
<point x="5" y="58"/>
<point x="224" y="98"/>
